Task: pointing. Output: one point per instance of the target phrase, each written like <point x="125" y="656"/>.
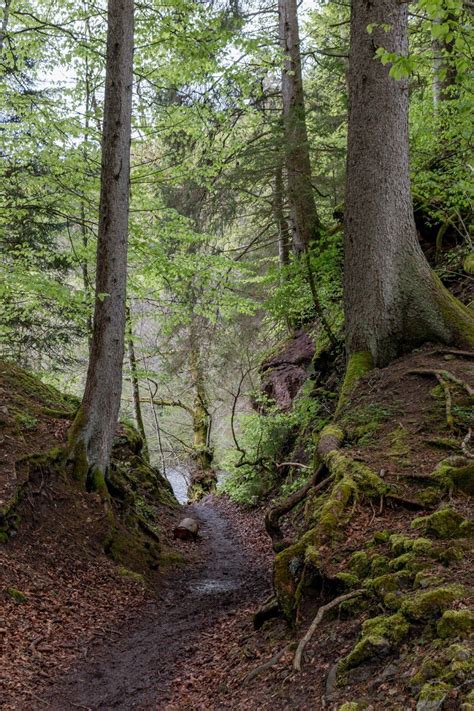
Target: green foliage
<point x="290" y="299"/>
<point x="265" y="438"/>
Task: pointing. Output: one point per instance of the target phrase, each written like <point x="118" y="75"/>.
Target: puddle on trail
<point x="208" y="587"/>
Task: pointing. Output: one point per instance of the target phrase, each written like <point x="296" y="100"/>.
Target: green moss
<point x="401" y="562"/>
<point x="348" y="580"/>
<point x="97" y="483"/>
<point x="431" y="668"/>
<point x="390" y="583"/>
<point x="126" y="573"/>
<point x="425" y="579"/>
<point x="368" y="648"/>
<point x="393" y="627"/>
<point x="451" y="477"/>
<point x="3" y="537"/>
<point x="434" y="692"/>
<point x="352" y="480"/>
<point x="425" y="604"/>
<point x="285" y="567"/>
<point x="398" y="442"/>
<point x="444" y="442"/>
<point x="379" y="565"/>
<point x="399" y="543"/>
<point x="446" y="523"/>
<point x="381" y="536"/>
<point x="468" y="264"/>
<point x="358" y="365"/>
<point x="16" y="595"/>
<point x="360" y="564"/>
<point x="379" y="635"/>
<point x="171" y="557"/>
<point x="455" y="314"/>
<point x="456" y="623"/>
<point x="350" y="706"/>
<point x="458" y="653"/>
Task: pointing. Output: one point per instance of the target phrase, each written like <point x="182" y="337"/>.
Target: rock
<point x="285" y="372"/>
<point x="187" y="530"/>
<point x="432" y="696"/>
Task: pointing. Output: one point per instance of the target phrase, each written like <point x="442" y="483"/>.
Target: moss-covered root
<point x="458" y="317"/>
<point x="358" y="365"/>
<point x="456" y="473"/>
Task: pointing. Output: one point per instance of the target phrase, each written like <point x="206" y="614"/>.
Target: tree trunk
<point x="393" y="302"/>
<point x="203" y="477"/>
<point x="444" y="68"/>
<point x="94" y="427"/>
<point x="305" y="222"/>
<point x="280" y="219"/>
<point x="137" y="407"/>
<point x="201" y="418"/>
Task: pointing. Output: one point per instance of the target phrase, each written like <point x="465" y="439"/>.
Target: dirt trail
<point x="136" y="670"/>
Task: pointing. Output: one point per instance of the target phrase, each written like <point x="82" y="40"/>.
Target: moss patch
<point x="425" y="604"/>
<point x="16" y="595"/>
<point x="456" y="623"/>
<point x="446" y="523"/>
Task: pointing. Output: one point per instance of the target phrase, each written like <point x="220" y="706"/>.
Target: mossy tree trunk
<point x="93" y="430"/>
<point x="203" y="477"/>
<point x="393" y="301"/>
<point x="305" y="221"/>
<point x="137" y="406"/>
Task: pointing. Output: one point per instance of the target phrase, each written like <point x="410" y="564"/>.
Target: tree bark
<point x="203" y="453"/>
<point x="137" y="407"/>
<point x="393" y="302"/>
<point x="94" y="427"/>
<point x="280" y="219"/>
<point x="305" y="221"/>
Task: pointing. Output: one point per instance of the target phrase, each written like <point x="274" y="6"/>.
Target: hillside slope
<point x="72" y="565"/>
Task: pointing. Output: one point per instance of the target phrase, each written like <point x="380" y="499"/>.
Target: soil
<point x="140" y="662"/>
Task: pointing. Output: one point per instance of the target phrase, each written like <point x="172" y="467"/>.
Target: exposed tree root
<point x="446" y="375"/>
<point x="409" y="504"/>
<point x="268" y="665"/>
<point x="464" y="446"/>
<point x="274" y="514"/>
<point x="449" y="351"/>
<point x="449" y="402"/>
<point x="317" y="620"/>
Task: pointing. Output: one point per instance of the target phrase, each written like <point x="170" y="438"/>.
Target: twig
<point x="292" y="464"/>
<point x="317" y="620"/>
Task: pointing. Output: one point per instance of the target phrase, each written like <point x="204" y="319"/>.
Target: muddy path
<point x="136" y="668"/>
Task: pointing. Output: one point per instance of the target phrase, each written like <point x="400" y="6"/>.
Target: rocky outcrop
<point x="285" y="371"/>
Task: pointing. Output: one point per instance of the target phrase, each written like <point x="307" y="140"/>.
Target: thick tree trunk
<point x="393" y="301"/>
<point x="93" y="430"/>
<point x="305" y="222"/>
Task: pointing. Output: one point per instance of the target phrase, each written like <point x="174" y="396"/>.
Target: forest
<point x="236" y="355"/>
